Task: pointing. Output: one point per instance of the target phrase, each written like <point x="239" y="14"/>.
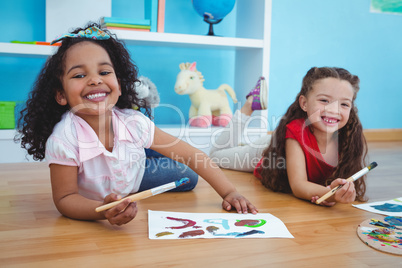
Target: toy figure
<point x="147" y="92"/>
<point x="207" y="106"/>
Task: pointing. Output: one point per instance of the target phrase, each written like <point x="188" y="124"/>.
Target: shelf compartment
<point x="25" y="50"/>
<point x="144" y="38"/>
<point x="186" y="40"/>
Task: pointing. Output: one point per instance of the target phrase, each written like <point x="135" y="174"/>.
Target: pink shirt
<point x="100" y="172"/>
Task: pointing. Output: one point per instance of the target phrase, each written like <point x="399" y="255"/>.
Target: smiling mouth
<point x="330" y="120"/>
<point x="95" y="96"/>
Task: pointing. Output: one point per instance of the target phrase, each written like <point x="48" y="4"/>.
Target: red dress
<point x="317" y="169"/>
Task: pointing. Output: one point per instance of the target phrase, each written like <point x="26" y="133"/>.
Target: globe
<point x="213" y="11"/>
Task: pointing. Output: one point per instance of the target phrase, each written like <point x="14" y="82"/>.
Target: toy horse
<point x="207" y="106"/>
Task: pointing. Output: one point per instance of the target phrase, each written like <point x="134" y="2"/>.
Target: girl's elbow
<point x="60" y="208"/>
<point x="299" y="193"/>
<point x="63" y="207"/>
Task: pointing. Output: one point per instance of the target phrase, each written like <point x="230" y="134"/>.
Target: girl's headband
<point x="91" y="32"/>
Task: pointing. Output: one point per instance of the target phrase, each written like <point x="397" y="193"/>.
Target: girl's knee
<point x="193" y="180"/>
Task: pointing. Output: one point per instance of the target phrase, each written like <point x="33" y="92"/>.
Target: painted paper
<point x="179" y="225"/>
<point x="386" y="6"/>
<point x="389" y="208"/>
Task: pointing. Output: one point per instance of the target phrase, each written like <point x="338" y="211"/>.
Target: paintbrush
<point x="354" y="177"/>
<point x="146" y="194"/>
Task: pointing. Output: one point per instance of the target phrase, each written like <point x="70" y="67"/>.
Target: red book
<point x="161" y="16"/>
<point x="46" y="43"/>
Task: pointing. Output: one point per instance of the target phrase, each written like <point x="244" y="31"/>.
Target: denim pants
<point x="160" y="170"/>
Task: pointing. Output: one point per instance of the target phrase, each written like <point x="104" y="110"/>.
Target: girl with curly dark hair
<point x="318" y="142"/>
<point x="79" y="117"/>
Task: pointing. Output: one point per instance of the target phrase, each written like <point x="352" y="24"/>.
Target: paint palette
<point x="382" y="233"/>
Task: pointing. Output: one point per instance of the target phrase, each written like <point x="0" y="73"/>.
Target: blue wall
<point x="25" y="21"/>
<point x="160" y="64"/>
<point x="304" y="34"/>
<point x="338" y="33"/>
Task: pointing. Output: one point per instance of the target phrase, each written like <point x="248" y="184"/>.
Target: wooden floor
<point x="33" y="234"/>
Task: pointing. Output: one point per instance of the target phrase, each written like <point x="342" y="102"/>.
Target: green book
<point x="23" y="42"/>
<point x="122" y="25"/>
<point x="144" y="22"/>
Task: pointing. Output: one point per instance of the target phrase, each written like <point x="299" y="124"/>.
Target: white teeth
<point x="331" y="121"/>
<point x="97" y="95"/>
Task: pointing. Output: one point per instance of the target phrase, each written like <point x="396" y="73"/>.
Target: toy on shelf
<point x="213" y="11"/>
<point x="207" y="106"/>
<point x="147" y="92"/>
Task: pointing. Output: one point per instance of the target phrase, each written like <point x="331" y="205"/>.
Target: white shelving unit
<point x="185" y="40"/>
<point x="23" y="50"/>
<point x="144" y="39"/>
<point x="252" y="51"/>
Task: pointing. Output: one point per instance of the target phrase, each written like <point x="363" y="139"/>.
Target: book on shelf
<point x="154" y="13"/>
<point x="34" y="43"/>
<point x="121" y="25"/>
<point x="127" y="29"/>
<point x="144" y="22"/>
<point x="161" y="16"/>
<point x="151" y="13"/>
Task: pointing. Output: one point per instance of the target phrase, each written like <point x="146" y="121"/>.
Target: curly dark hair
<point x="352" y="143"/>
<point x="42" y="112"/>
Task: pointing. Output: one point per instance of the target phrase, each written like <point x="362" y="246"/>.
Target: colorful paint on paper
<point x="163" y="233"/>
<point x="391" y="207"/>
<point x="386" y="6"/>
<point x="251" y="223"/>
<point x="191" y="233"/>
<point x="178" y="225"/>
<point x="187" y="223"/>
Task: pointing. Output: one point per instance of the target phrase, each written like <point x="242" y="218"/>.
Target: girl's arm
<point x="304" y="189"/>
<point x="199" y="162"/>
<point x="73" y="205"/>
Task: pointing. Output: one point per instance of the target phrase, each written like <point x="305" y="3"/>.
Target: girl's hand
<point x="238" y="202"/>
<point x="122" y="213"/>
<point x="323" y="203"/>
<point x="346" y="194"/>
